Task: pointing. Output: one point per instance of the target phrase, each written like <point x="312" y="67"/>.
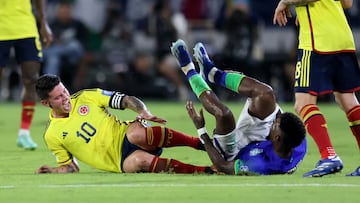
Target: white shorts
<point x="248" y="129"/>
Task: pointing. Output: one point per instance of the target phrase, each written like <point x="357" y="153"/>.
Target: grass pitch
<point x="18" y="183"/>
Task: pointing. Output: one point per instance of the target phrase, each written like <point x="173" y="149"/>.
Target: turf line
<point x="180" y="185"/>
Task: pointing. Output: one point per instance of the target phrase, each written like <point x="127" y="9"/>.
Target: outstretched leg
<point x="225" y="121"/>
<point x="263" y="98"/>
<point x="141" y="161"/>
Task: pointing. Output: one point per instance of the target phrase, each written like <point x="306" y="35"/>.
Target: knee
<point x="137" y="162"/>
<point x="223" y="113"/>
<point x="29" y="78"/>
<point x="266" y="91"/>
<point x="266" y="94"/>
<point x="142" y="164"/>
<point x="136" y="134"/>
<point x="298" y="108"/>
<point x="29" y="81"/>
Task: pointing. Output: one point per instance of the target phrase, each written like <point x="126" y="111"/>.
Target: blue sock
<point x="220" y="77"/>
<point x="190" y="73"/>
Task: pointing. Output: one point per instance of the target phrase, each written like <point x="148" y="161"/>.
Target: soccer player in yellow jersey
<point x="81" y="127"/>
<point x="326" y="64"/>
<point x="18" y="30"/>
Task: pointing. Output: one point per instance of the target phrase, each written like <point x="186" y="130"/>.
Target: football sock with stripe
<point x="354" y="121"/>
<point x="28" y="108"/>
<point x="160" y="136"/>
<point x="229" y="80"/>
<point x="317" y="127"/>
<point x="197" y="83"/>
<point x="159" y="164"/>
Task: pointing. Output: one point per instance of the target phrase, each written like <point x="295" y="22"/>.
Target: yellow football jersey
<point x="90" y="134"/>
<point x="17" y="20"/>
<point x="324" y="27"/>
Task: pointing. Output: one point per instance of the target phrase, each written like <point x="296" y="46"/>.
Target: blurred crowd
<point x="124" y="44"/>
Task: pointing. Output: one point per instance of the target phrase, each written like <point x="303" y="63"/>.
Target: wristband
<point x="200" y="132"/>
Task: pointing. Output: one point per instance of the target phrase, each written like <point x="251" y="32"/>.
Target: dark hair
<point x="293" y="130"/>
<point x="45" y="84"/>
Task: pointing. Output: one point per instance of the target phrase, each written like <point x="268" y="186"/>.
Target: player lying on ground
<point x="264" y="141"/>
<point x="81" y="127"/>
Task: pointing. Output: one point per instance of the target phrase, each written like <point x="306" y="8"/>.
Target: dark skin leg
<point x="263" y="98"/>
<point x="225" y="121"/>
<point x="29" y="74"/>
<point x="262" y="105"/>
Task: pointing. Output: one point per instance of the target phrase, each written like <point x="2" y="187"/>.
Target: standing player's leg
<point x="316" y="126"/>
<point x="29" y="73"/>
<point x="225" y="122"/>
<point x="349" y="80"/>
<point x="350" y="105"/>
<point x="28" y="55"/>
<point x="310" y="77"/>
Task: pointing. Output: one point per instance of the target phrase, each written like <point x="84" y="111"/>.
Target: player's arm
<point x="282" y="11"/>
<point x="216" y="158"/>
<point x="68" y="168"/>
<point x="222" y="166"/>
<point x="135" y="104"/>
<point x="45" y="30"/>
<point x="66" y="162"/>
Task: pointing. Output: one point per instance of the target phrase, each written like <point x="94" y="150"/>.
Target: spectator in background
<point x="117" y="47"/>
<point x="92" y="13"/>
<point x="137" y="11"/>
<point x="242" y="39"/>
<point x="142" y="79"/>
<point x="64" y="55"/>
<point x="195" y="11"/>
<point x="160" y="26"/>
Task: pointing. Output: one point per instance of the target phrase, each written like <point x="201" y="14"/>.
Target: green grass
<point x="18" y="183"/>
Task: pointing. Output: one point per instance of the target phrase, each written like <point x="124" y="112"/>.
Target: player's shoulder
<point x="85" y="92"/>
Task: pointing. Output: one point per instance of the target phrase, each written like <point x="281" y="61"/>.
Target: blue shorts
<point x="129" y="148"/>
<point x="319" y="74"/>
<point x="28" y="49"/>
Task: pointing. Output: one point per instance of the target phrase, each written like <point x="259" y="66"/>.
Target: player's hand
<point x="46" y="34"/>
<point x="44" y="169"/>
<point x="198" y="119"/>
<point x="282" y="12"/>
<point x="146" y="115"/>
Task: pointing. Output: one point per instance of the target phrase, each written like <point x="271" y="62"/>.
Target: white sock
<point x="23" y="132"/>
<point x="212" y="74"/>
<point x="188" y="67"/>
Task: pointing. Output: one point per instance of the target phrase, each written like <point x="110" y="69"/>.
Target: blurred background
<point x="124" y="45"/>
